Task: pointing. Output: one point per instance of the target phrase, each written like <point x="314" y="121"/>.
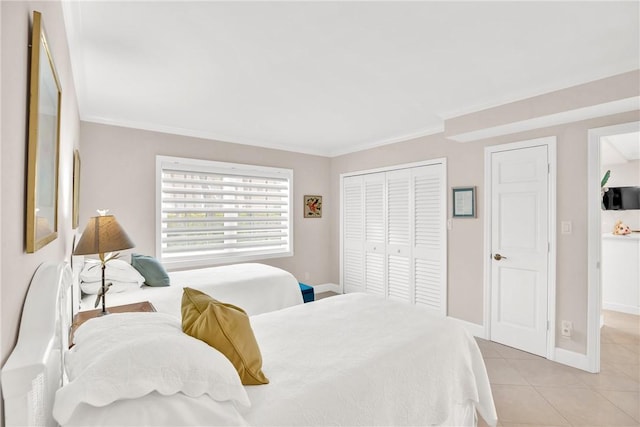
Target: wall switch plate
<point x="566" y="328"/>
<point x="565" y="227"/>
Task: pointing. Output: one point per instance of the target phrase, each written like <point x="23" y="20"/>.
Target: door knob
<point x="498" y="257"/>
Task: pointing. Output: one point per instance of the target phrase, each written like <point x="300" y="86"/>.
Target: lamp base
<point x="103" y="313"/>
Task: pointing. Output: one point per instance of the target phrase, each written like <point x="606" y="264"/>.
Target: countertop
<point x="633" y="236"/>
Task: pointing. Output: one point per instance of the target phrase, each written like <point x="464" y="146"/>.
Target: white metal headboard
<point x="35" y="368"/>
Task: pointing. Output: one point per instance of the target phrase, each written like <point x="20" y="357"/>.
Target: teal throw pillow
<point x="153" y="272"/>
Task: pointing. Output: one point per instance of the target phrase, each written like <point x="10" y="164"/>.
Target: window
<point x="213" y="212"/>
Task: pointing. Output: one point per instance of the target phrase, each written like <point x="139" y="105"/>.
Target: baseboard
<point x="629" y="309"/>
<point x="571" y="358"/>
<point x="473" y="328"/>
<point x="327" y="287"/>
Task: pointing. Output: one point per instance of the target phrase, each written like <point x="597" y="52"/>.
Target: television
<point x="621" y="198"/>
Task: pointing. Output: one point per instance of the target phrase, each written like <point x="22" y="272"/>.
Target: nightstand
<point x="83" y="316"/>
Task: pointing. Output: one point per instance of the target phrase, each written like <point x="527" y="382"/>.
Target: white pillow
<point x="129" y="355"/>
<point x="115" y="270"/>
<point x="92" y="288"/>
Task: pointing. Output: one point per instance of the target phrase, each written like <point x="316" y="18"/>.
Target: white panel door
<point x="520" y="247"/>
<point x="353" y="234"/>
<point x="374" y="233"/>
<point x="399" y="232"/>
<point x="429" y="250"/>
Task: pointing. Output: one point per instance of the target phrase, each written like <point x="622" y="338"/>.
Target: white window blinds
<point x="222" y="212"/>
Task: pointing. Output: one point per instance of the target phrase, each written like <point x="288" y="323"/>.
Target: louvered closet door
<point x="397" y="220"/>
<point x="399" y="232"/>
<point x="429" y="251"/>
<point x="374" y="233"/>
<point x="353" y="231"/>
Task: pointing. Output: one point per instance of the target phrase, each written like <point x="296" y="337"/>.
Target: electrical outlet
<point x="567" y="328"/>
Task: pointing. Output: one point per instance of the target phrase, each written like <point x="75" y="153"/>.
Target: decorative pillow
<point x="227" y="328"/>
<point x="153" y="272"/>
<point x="130" y="355"/>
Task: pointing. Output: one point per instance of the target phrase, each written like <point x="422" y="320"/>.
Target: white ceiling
<point x="333" y="77"/>
<point x="622" y="148"/>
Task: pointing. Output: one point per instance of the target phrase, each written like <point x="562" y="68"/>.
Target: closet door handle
<point x="498" y="257"/>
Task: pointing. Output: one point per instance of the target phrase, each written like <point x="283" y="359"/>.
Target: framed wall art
<point x="464" y="202"/>
<point x="45" y="96"/>
<point x="313" y="206"/>
<point x="76" y="190"/>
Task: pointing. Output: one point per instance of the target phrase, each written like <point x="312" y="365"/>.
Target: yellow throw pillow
<point x="226" y="328"/>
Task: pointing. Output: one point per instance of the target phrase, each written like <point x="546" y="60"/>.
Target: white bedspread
<point x="359" y="360"/>
<point x="256" y="288"/>
<point x="353" y="359"/>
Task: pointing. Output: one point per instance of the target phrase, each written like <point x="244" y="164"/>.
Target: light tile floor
<point x="324" y="295"/>
<point x="531" y="391"/>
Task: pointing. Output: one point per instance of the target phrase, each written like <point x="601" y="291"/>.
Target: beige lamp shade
<point x="101" y="235"/>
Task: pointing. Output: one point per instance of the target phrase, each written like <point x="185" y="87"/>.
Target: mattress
<point x="256" y="288"/>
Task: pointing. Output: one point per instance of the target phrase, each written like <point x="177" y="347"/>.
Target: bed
<point x="347" y="360"/>
<point x="257" y="288"/>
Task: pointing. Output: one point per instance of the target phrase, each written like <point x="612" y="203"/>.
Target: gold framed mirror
<point x="75" y="211"/>
<point x="45" y="97"/>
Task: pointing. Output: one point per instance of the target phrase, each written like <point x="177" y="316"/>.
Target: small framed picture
<point x="313" y="206"/>
<point x="464" y="202"/>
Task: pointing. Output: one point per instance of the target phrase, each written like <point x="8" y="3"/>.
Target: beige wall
<point x="465" y="166"/>
<point x="586" y="95"/>
<point x="118" y="173"/>
<point x="121" y="178"/>
<point x="17" y="266"/>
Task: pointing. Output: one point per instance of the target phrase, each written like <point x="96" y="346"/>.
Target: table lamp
<point x="103" y="236"/>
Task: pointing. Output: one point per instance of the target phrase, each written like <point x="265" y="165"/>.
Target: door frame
<point x="550" y="143"/>
<point x="594" y="238"/>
